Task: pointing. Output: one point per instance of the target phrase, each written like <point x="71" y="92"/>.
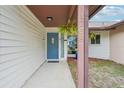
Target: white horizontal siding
<point x="101" y="50"/>
<point x="22" y="45"/>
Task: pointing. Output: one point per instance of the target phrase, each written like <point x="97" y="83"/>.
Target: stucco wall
<point x="22" y="45"/>
<point x="117" y="44"/>
<point x="100" y="50"/>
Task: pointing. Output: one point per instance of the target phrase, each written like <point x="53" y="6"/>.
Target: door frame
<point x="59" y="51"/>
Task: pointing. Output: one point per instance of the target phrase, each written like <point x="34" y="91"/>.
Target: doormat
<point x="53" y="61"/>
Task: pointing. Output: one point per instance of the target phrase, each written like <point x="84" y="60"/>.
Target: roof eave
<point x="96" y="11"/>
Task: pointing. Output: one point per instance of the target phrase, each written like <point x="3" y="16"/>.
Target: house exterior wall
<point x="117" y="44"/>
<point x="101" y="50"/>
<point x="22" y="45"/>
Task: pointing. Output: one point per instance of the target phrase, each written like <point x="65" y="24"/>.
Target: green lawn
<point x="102" y="73"/>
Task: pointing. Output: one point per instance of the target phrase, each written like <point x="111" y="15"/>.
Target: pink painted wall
<point x="117" y="44"/>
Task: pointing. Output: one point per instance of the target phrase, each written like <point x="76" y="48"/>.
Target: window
<point x="72" y="44"/>
<point x="96" y="40"/>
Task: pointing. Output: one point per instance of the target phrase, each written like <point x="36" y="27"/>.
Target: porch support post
<point x="82" y="43"/>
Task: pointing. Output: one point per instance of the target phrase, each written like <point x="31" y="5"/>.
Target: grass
<point x="102" y="73"/>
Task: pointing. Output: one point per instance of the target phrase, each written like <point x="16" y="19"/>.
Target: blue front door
<point x="52" y="46"/>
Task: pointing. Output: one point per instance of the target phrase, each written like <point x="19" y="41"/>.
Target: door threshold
<point x="53" y="62"/>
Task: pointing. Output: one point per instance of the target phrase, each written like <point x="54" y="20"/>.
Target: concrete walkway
<point x="51" y="75"/>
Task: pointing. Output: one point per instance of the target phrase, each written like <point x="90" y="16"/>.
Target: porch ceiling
<point x="60" y="13"/>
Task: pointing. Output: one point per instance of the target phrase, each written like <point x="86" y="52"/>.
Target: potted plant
<point x="70" y="29"/>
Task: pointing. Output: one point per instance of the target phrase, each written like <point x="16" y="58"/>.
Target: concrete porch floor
<point x="51" y="75"/>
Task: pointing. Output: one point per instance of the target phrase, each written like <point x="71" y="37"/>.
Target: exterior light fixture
<point x="49" y="18"/>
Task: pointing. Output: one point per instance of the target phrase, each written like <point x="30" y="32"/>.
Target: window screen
<point x="96" y="40"/>
<point x="92" y="41"/>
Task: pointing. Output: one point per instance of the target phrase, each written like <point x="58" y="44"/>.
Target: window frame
<point x="95" y="40"/>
